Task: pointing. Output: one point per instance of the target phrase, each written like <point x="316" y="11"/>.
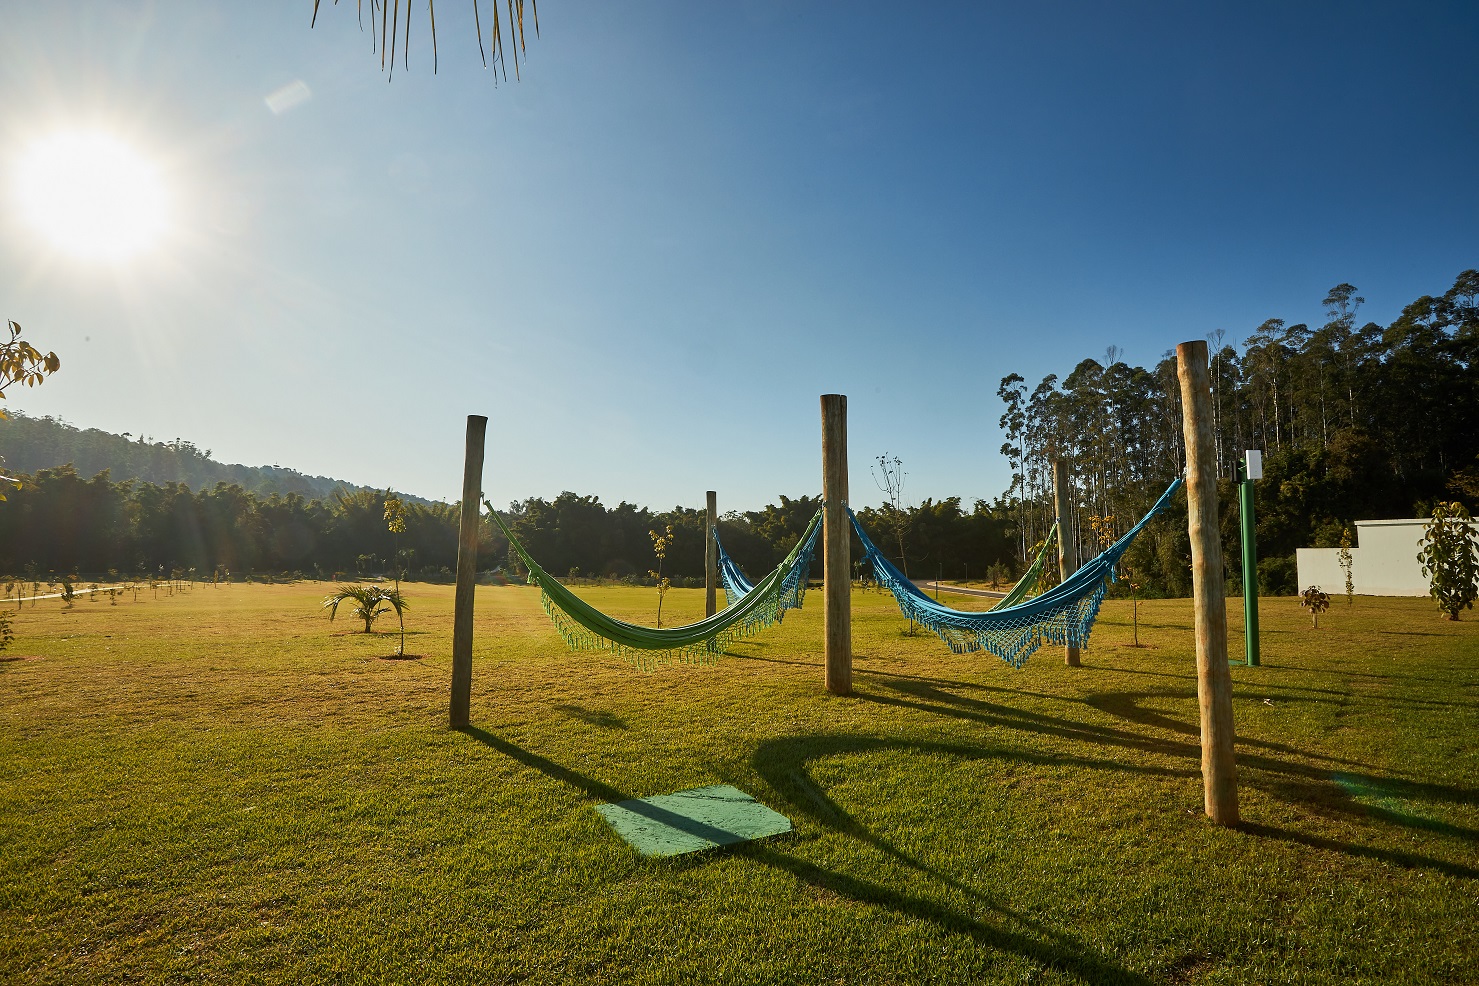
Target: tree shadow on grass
<point x="1238" y="686"/>
<point x="1046" y="947"/>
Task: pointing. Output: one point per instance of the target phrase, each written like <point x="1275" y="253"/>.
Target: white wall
<point x="1384" y="562"/>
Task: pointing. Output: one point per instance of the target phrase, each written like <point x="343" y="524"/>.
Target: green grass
<point x="224" y="787"/>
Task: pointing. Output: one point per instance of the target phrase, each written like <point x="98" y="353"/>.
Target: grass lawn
<point x="222" y="786"/>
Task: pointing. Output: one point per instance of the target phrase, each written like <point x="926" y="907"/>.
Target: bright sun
<point x="91" y="195"/>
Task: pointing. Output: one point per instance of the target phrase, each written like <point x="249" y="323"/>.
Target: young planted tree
<point x="1315" y="601"/>
<point x="1348" y="565"/>
<point x="888" y="476"/>
<point x="368" y="602"/>
<point x="660" y="545"/>
<point x="1449" y="554"/>
<point x="395" y="520"/>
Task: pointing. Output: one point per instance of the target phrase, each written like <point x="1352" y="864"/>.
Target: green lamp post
<point x="1249" y="470"/>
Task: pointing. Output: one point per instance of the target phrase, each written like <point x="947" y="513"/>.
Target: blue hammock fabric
<point x="793" y="586"/>
<point x="1062" y="615"/>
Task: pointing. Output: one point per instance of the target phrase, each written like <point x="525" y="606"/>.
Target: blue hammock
<point x="793" y="586"/>
<point x="1062" y="615"/>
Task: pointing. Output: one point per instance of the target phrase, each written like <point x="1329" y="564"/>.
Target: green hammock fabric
<point x="1023" y="589"/>
<point x="586" y="628"/>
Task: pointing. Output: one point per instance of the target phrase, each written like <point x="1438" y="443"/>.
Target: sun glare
<point x="91" y="195"/>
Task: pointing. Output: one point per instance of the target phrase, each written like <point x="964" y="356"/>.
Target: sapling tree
<point x="395" y="521"/>
<point x="1348" y="565"/>
<point x="6" y="633"/>
<point x="888" y="476"/>
<point x="1449" y="554"/>
<point x="1315" y="601"/>
<point x="997" y="573"/>
<point x="660" y="545"/>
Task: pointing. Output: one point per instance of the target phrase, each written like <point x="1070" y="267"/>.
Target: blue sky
<point x="646" y="260"/>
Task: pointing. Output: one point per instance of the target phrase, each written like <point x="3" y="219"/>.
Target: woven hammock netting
<point x="1062" y="615"/>
<point x="586" y="628"/>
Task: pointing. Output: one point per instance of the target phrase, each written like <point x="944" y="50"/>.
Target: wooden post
<point x="467" y="571"/>
<point x="1214" y="681"/>
<point x="711" y="558"/>
<point x="836" y="540"/>
<point x="1067" y="553"/>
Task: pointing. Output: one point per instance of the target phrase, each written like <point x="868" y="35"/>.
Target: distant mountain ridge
<point x="29" y="444"/>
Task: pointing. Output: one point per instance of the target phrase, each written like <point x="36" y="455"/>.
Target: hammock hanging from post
<point x="737" y="585"/>
<point x="586" y="628"/>
<point x="1023" y="589"/>
<point x="1062" y="615"/>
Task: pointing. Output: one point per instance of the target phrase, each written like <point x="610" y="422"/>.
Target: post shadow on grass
<point x="603" y="718"/>
<point x="1295" y="783"/>
<point x="1127" y="706"/>
<point x="1240" y="686"/>
<point x="1057" y="952"/>
<point x="928" y="698"/>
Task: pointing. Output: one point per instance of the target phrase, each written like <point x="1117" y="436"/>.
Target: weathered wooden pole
<point x="711" y="558"/>
<point x="1214" y="681"/>
<point x="467" y="571"/>
<point x="836" y="540"/>
<point x="1067" y="551"/>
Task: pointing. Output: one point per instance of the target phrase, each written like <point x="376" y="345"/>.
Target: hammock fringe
<point x="585" y="628"/>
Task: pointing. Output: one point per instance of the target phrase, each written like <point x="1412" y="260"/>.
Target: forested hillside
<point x="29" y="444"/>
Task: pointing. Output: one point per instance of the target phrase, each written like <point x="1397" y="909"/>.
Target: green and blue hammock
<point x="1013" y="630"/>
<point x="1062" y="615"/>
<point x="586" y="628"/>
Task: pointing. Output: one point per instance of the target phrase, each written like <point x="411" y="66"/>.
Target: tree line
<point x="1356" y="421"/>
<point x="58" y="521"/>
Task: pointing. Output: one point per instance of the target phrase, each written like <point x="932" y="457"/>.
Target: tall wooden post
<point x="1214" y="681"/>
<point x="711" y="558"/>
<point x="1067" y="550"/>
<point x="836" y="540"/>
<point x="467" y="571"/>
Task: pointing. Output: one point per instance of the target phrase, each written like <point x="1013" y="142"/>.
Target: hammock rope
<point x="586" y="628"/>
<point x="1062" y="615"/>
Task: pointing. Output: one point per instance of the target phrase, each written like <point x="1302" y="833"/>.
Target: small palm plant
<point x="368" y="602"/>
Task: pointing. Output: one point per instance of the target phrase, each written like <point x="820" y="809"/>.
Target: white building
<point x="1383" y="561"/>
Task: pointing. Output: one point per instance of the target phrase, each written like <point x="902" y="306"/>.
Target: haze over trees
<point x="30" y="444"/>
<point x="1356" y="421"/>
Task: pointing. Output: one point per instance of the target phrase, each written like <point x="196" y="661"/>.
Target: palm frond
<point x="384" y="41"/>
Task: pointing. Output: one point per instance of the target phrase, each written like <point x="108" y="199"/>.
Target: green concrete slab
<point x="673" y="824"/>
